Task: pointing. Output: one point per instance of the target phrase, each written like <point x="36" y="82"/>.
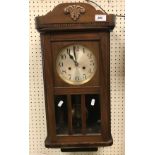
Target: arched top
<point x="74" y="15"/>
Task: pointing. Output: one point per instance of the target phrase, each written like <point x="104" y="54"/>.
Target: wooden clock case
<point x="67" y="24"/>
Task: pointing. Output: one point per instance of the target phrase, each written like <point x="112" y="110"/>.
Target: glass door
<point x="78" y="114"/>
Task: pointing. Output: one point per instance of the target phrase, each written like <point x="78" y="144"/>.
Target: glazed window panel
<point x="93" y="114"/>
<point x="76" y="113"/>
<point x="61" y="114"/>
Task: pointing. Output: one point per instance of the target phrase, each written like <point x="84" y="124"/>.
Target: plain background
<point x="140" y="77"/>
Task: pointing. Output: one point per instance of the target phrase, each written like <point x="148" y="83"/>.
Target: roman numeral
<point x="64" y="71"/>
<point x="77" y="78"/>
<point x="63" y="56"/>
<point x="90" y="70"/>
<point x="61" y="64"/>
<point x="68" y="50"/>
<point x="84" y="76"/>
<point x="89" y="55"/>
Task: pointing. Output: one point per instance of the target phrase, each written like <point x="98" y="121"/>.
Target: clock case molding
<point x="58" y="20"/>
<point x="74" y="23"/>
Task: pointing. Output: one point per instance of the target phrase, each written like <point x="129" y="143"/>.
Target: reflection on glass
<point x="93" y="122"/>
<point x="61" y="114"/>
<point x="76" y="113"/>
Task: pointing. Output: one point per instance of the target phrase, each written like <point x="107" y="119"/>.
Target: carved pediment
<point x="75" y="11"/>
<point x="73" y="16"/>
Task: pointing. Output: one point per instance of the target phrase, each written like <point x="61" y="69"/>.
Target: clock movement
<point x="75" y="41"/>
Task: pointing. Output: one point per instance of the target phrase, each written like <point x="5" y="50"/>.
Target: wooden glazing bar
<point x="83" y="110"/>
<point x="69" y="106"/>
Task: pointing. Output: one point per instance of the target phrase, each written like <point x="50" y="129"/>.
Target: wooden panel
<point x="80" y="141"/>
<point x="79" y="138"/>
<point x="76" y="90"/>
<point x="48" y="86"/>
<point x="83" y="111"/>
<point x="78" y="36"/>
<point x="105" y="85"/>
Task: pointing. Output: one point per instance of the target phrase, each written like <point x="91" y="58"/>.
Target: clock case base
<point x="81" y="145"/>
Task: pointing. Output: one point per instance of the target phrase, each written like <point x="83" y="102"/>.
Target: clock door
<point x="76" y="85"/>
<point x="77" y="114"/>
<point x="78" y="100"/>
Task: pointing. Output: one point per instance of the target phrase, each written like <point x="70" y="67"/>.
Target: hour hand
<point x="68" y="52"/>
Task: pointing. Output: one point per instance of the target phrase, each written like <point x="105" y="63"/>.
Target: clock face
<point x="76" y="64"/>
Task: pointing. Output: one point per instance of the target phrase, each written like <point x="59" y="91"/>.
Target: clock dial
<point x="76" y="64"/>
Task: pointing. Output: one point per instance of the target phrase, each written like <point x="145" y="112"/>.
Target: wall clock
<point x="75" y="41"/>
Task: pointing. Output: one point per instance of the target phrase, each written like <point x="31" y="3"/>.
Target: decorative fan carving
<point x="75" y="11"/>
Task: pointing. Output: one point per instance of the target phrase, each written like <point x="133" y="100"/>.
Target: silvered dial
<point x="76" y="64"/>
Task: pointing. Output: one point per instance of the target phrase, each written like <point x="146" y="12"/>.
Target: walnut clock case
<point x="75" y="41"/>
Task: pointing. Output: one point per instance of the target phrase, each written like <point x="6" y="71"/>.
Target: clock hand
<point x="74" y="53"/>
<point x="72" y="57"/>
<point x="68" y="52"/>
<point x="76" y="63"/>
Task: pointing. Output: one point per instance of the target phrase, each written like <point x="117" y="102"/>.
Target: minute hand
<point x="74" y="53"/>
<point x="76" y="63"/>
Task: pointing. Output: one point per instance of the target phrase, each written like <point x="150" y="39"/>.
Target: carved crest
<point x="75" y="11"/>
